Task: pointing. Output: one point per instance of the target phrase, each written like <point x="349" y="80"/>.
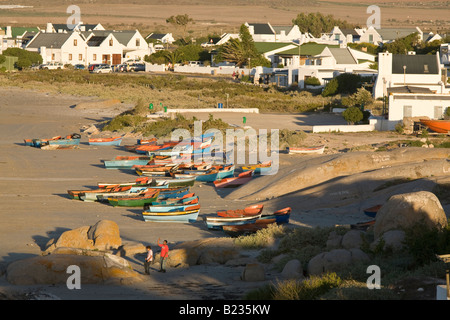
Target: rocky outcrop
<point x="104" y="235"/>
<point x="405" y="210"/>
<point x="101" y="268"/>
<point x="335" y="259"/>
<point x="410" y="163"/>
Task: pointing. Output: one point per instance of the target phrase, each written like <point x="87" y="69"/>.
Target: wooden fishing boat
<point x="372" y="211"/>
<point x="234" y="182"/>
<point x="73" y="139"/>
<point x="156" y="182"/>
<point x="147" y="141"/>
<point x="126" y="162"/>
<point x="113" y="141"/>
<point x="278" y="217"/>
<point x="173" y="193"/>
<point x="189" y="215"/>
<point x="189" y="198"/>
<point x="155" y="170"/>
<point x="170" y="207"/>
<point x="75" y="194"/>
<point x="260" y="168"/>
<point x="248" y="228"/>
<point x="216" y="174"/>
<point x="102" y="196"/>
<point x="146" y="148"/>
<point x="439" y="126"/>
<point x="139" y="200"/>
<point x="217" y="222"/>
<point x="306" y="150"/>
<point x="248" y="211"/>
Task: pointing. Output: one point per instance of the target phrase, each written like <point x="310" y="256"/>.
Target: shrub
<point x="353" y="115"/>
<point x="331" y="88"/>
<point x="312" y="81"/>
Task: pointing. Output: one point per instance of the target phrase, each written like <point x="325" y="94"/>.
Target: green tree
<point x="242" y="51"/>
<point x="33" y="57"/>
<point x="352" y="115"/>
<point x="2" y="58"/>
<point x="317" y="23"/>
<point x="403" y="45"/>
<point x="23" y="63"/>
<point x="182" y="21"/>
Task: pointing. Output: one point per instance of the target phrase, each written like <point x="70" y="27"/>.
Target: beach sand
<point x="35" y="206"/>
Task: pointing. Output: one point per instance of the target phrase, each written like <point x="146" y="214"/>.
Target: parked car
<point x="79" y="67"/>
<point x="136" y="67"/>
<point x="121" y="67"/>
<point x="52" y="66"/>
<point x="91" y="67"/>
<point x="103" y="69"/>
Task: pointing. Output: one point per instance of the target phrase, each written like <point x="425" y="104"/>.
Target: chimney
<point x="49" y="28"/>
<point x="8" y="32"/>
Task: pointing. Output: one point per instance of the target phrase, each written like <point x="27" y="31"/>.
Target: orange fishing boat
<point x="439" y="126"/>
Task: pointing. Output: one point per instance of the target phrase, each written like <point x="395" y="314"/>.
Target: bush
<point x="331" y="88"/>
<point x="312" y="81"/>
<point x="353" y="115"/>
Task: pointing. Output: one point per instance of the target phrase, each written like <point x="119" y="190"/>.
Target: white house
<point x="417" y="103"/>
<point x="165" y="38"/>
<point x="265" y="32"/>
<point x="340" y="36"/>
<point x="397" y="70"/>
<point x="369" y="35"/>
<point x="104" y="49"/>
<point x="66" y="48"/>
<point x="133" y="43"/>
<point x="333" y="61"/>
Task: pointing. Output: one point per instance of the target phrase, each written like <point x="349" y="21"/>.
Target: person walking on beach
<point x="164" y="254"/>
<point x="148" y="260"/>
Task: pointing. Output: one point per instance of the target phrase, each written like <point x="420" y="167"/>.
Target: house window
<point x="138" y="42"/>
<point x="94" y="57"/>
<point x="110" y="42"/>
<point x="70" y="57"/>
<point x="371" y="38"/>
<point x="425" y="68"/>
<point x="407" y="111"/>
<point x="75" y="41"/>
<point x="438" y="112"/>
<point x="80" y="57"/>
<point x="53" y="56"/>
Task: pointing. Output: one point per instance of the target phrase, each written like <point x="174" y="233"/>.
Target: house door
<point x="106" y="59"/>
<point x="116" y="59"/>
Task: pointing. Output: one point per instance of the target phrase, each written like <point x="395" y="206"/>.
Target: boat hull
<point x="439" y="126"/>
<point x="312" y="150"/>
<point x="188" y="216"/>
<point x="105" y="141"/>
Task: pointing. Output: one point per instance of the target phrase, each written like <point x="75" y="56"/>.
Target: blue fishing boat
<point x="217" y="222"/>
<point x="189" y="215"/>
<point x="73" y="139"/>
<point x="216" y="174"/>
<point x="127" y="162"/>
<point x="113" y="141"/>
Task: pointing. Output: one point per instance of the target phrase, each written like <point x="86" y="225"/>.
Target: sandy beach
<point x="35" y="206"/>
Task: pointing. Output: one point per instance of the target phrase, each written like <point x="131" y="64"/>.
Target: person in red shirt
<point x="164" y="255"/>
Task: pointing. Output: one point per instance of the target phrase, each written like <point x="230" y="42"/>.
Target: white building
<point x="104" y="49"/>
<point x="265" y="32"/>
<point x="66" y="48"/>
<point x="417" y="103"/>
<point x="164" y="38"/>
<point x="396" y="70"/>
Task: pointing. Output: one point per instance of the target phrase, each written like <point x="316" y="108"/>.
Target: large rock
<point x="405" y="210"/>
<point x="392" y="239"/>
<point x="292" y="270"/>
<point x="52" y="269"/>
<point x="253" y="272"/>
<point x="105" y="235"/>
<point x="334" y="260"/>
<point x="76" y="238"/>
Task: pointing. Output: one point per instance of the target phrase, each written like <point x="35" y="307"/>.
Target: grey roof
<point x="64" y="27"/>
<point x="156" y="35"/>
<point x="96" y="41"/>
<point x="395" y="33"/>
<point x="261" y="28"/>
<point x="408" y="89"/>
<point x="350" y="31"/>
<point x="123" y="36"/>
<point x="415" y="64"/>
<point x="278" y="29"/>
<point x="342" y="56"/>
<point x="55" y="40"/>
